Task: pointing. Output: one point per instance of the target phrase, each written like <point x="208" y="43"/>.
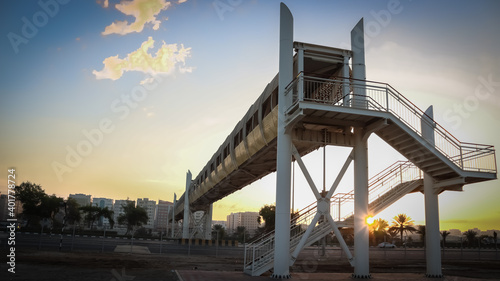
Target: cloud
<point x="167" y="59"/>
<point x="104" y="3"/>
<point x="144" y="11"/>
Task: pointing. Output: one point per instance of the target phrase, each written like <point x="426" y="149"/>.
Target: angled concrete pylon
<point x="361" y="234"/>
<point x="284" y="150"/>
<point x="432" y="235"/>
<point x="185" y="221"/>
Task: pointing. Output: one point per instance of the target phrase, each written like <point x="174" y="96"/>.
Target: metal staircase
<point x="386" y="188"/>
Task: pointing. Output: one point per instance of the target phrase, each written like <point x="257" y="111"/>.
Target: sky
<point x="119" y="99"/>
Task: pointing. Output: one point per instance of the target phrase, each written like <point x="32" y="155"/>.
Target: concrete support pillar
<point x="208" y="223"/>
<point x="432" y="235"/>
<point x="185" y="221"/>
<point x="361" y="234"/>
<point x="358" y="65"/>
<point x="173" y="216"/>
<point x="284" y="151"/>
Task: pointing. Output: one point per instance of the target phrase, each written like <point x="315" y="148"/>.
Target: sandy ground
<point x="124" y="266"/>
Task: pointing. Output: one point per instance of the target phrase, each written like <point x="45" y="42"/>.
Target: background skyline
<point x="155" y="89"/>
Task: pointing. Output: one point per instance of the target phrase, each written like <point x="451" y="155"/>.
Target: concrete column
<point x="432" y="235"/>
<point x="284" y="151"/>
<point x="185" y="221"/>
<point x="173" y="216"/>
<point x="358" y="65"/>
<point x="208" y="223"/>
<point x="361" y="235"/>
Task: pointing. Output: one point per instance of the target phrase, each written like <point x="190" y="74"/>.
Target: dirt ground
<point x="121" y="266"/>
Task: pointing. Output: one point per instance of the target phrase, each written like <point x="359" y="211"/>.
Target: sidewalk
<point x="196" y="275"/>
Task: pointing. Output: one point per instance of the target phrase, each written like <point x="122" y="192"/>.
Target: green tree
<point x="72" y="211"/>
<point x="402" y="224"/>
<point x="444" y="234"/>
<point x="267" y="215"/>
<point x="470" y="236"/>
<point x="30" y="195"/>
<point x="421" y="231"/>
<point x="93" y="213"/>
<point x="132" y="216"/>
<point x="241" y="234"/>
<point x="50" y="206"/>
<point x="218" y="229"/>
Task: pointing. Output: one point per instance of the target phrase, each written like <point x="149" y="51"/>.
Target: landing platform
<point x="195" y="275"/>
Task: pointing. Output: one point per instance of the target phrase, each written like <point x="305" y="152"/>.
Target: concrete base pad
<point x="135" y="249"/>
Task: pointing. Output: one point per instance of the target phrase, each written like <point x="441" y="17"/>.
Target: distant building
<point x="246" y="219"/>
<point x="150" y="207"/>
<point x="4" y="212"/>
<point x="103" y="203"/>
<point x="223" y="223"/>
<point x="118" y="210"/>
<point x="81" y="199"/>
<point x="161" y="214"/>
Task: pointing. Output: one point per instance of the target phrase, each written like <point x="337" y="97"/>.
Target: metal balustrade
<point x="383" y="97"/>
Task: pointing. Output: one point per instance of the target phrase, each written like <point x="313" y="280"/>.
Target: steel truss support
<point x="323" y="207"/>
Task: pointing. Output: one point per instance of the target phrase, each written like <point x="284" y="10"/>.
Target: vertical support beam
<point x="185" y="221"/>
<point x="358" y="65"/>
<point x="432" y="236"/>
<point x="284" y="150"/>
<point x="173" y="216"/>
<point x="300" y="71"/>
<point x="361" y="236"/>
<point x="345" y="87"/>
<point x="208" y="222"/>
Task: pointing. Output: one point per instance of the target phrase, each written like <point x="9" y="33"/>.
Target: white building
<point x="118" y="210"/>
<point x="150" y="207"/>
<point x="81" y="199"/>
<point x="162" y="209"/>
<point x="246" y="219"/>
<point x="103" y="203"/>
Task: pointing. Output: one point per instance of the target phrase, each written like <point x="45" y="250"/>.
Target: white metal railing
<point x="260" y="252"/>
<point x="383" y="97"/>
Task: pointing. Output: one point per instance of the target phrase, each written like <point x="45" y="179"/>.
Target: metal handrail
<point x="383" y="97"/>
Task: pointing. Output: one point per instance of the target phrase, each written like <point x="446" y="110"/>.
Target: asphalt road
<point x="48" y="242"/>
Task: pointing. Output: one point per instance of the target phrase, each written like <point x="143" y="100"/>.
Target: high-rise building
<point x="246" y="219"/>
<point x="150" y="207"/>
<point x="118" y="210"/>
<point x="103" y="203"/>
<point x="161" y="216"/>
<point x="81" y="199"/>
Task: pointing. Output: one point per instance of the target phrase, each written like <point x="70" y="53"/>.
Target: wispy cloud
<point x="168" y="58"/>
<point x="144" y="11"/>
<point x="103" y="3"/>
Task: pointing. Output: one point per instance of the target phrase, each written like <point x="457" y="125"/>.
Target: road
<point x="48" y="242"/>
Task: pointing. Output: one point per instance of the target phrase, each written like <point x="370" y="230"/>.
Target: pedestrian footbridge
<point x="327" y="102"/>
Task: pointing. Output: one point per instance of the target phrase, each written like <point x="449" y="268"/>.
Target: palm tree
<point x="402" y="224"/>
<point x="379" y="228"/>
<point x="470" y="235"/>
<point x="421" y="231"/>
<point x="444" y="234"/>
